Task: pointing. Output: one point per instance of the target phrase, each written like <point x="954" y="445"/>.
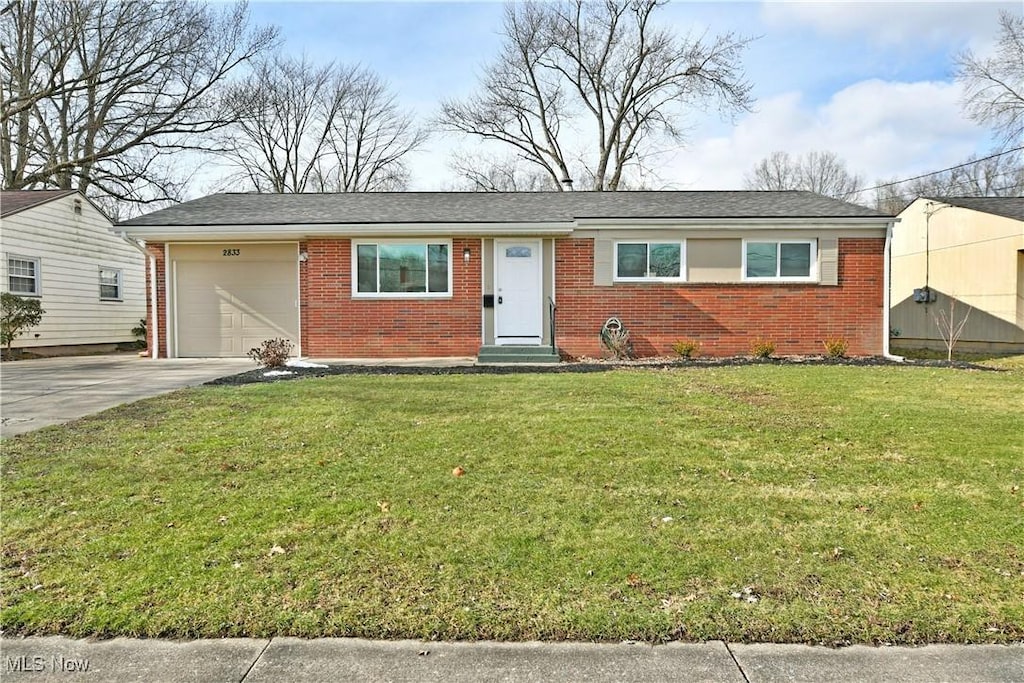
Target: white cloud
<point x="881" y="129"/>
<point x="909" y="23"/>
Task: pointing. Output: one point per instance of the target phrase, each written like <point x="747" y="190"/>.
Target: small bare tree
<point x="821" y="172"/>
<point x="951" y="326"/>
<point x="98" y="95"/>
<point x="994" y="86"/>
<point x="603" y="67"/>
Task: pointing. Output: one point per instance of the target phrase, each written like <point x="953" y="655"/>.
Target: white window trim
<point x="120" y="284"/>
<point x="356" y="294"/>
<point x="38" y="276"/>
<point x="811" y="277"/>
<point x="649" y="242"/>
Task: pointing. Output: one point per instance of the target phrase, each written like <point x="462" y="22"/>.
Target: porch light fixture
<point x="303" y="256"/>
<point x="466" y="253"/>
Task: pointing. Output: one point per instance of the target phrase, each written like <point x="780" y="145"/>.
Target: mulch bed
<point x="583" y="365"/>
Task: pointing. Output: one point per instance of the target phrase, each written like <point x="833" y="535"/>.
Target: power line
<point x="951" y="168"/>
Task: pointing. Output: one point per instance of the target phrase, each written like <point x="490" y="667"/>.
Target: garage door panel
<point x="257" y="324"/>
<point x="225" y="308"/>
<point x="247" y="343"/>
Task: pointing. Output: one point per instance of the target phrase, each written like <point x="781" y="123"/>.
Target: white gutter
<point x="151" y="260"/>
<point x="818" y="222"/>
<point x="887" y="298"/>
<point x="168" y="233"/>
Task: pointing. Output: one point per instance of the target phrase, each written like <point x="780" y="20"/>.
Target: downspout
<point x="887" y="297"/>
<point x="151" y="260"/>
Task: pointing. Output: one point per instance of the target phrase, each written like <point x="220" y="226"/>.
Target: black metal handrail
<point x="551" y="316"/>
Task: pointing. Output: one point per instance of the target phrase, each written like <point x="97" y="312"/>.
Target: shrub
<point x="762" y="348"/>
<point x="17" y="315"/>
<point x="835" y="347"/>
<point x="273" y="353"/>
<point x="141" y="331"/>
<point x="687" y="348"/>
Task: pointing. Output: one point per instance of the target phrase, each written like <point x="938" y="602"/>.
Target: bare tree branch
<point x="482" y="173"/>
<point x="994" y="86"/>
<point x="821" y="172"/>
<point x="605" y="64"/>
<point x="95" y="92"/>
<point x="307" y="128"/>
<point x="281" y="112"/>
<point x="992" y="176"/>
<point x="369" y="138"/>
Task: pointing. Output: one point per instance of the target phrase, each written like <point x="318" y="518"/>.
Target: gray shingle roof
<point x="480" y="207"/>
<point x="1008" y="207"/>
<point x="13" y="201"/>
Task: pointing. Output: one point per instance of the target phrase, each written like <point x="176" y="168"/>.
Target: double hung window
<point x="110" y="284"/>
<point x="23" y="276"/>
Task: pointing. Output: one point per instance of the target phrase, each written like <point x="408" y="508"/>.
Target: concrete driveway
<point x="37" y="393"/>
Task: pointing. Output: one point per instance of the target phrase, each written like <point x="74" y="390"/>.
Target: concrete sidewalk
<point x="342" y="659"/>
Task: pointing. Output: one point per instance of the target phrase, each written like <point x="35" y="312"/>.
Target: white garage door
<point x="229" y="298"/>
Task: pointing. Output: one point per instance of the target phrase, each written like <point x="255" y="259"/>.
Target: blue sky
<point x="872" y="81"/>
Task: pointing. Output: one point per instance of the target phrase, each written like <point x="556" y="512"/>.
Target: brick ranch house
<point x="440" y="274"/>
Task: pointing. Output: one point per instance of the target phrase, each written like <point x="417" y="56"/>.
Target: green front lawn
<point x="805" y="504"/>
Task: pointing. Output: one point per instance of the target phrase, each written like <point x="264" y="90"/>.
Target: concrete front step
<point x="516" y="354"/>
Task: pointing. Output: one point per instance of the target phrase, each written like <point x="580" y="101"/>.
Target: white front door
<point x="518" y="305"/>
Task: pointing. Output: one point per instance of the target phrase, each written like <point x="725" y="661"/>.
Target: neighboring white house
<point x="964" y="252"/>
<point x="57" y="246"/>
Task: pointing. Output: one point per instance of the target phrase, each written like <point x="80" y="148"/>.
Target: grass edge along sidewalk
<point x="255" y="660"/>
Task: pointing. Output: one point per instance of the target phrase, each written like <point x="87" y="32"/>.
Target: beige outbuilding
<point x="957" y="257"/>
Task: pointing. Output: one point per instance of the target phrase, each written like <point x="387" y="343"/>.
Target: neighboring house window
<point x="784" y="260"/>
<point x="23" y="276"/>
<point x="402" y="269"/>
<point x="110" y="284"/>
<point x="650" y="261"/>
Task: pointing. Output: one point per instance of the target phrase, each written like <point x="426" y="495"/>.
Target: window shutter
<point x="828" y="250"/>
<point x="603" y="262"/>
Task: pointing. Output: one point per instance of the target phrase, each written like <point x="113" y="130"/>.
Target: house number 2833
<point x="231" y="252"/>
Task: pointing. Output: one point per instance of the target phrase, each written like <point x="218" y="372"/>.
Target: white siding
<point x="71" y="249"/>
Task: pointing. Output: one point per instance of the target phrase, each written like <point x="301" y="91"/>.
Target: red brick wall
<point x="334" y="325"/>
<point x="724" y="318"/>
<point x="156" y="249"/>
